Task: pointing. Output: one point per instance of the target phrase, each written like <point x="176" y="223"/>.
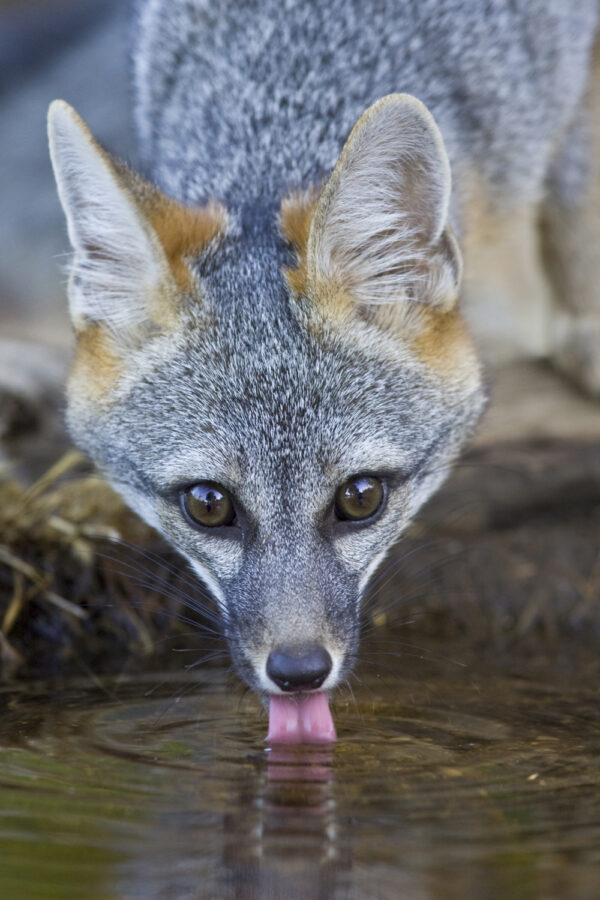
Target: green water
<point x="448" y="781"/>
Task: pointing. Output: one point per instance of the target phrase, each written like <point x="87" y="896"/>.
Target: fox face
<point x="276" y="386"/>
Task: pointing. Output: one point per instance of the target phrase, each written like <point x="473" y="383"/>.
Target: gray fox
<point x="271" y="364"/>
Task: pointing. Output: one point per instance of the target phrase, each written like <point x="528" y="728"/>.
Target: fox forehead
<point x="258" y="399"/>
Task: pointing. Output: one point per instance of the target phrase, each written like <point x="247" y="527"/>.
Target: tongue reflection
<point x="300" y="718"/>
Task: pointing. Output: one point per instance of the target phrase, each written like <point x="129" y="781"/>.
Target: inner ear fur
<point x="131" y="243"/>
<point x="379" y="232"/>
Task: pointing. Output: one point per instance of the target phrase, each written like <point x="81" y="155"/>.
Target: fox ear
<point x="119" y="265"/>
<point x="380" y="229"/>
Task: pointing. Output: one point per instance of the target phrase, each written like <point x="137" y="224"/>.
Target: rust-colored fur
<point x="97" y="366"/>
<point x="297" y="210"/>
<point x="185" y="232"/>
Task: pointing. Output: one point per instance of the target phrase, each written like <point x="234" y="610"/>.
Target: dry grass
<point x="73" y="587"/>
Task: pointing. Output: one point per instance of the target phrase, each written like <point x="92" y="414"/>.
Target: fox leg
<point x="571" y="241"/>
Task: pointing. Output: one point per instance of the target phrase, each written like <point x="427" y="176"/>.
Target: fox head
<point x="278" y="385"/>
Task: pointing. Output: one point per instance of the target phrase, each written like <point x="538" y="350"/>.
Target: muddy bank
<point x="509" y="548"/>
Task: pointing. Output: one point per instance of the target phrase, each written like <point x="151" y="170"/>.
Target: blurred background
<point x="48" y="49"/>
<point x="51" y="48"/>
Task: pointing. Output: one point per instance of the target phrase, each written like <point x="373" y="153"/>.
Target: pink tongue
<point x="300" y="718"/>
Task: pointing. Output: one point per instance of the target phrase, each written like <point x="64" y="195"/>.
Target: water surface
<point x="478" y="780"/>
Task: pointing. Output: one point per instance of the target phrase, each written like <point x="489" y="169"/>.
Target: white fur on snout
<point x="373" y="565"/>
<point x="212" y="584"/>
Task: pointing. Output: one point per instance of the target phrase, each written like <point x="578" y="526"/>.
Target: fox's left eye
<point x="208" y="504"/>
<point x="359" y="498"/>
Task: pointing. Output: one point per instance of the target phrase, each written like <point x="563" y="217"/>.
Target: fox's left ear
<point x="380" y="228"/>
<point x="131" y="242"/>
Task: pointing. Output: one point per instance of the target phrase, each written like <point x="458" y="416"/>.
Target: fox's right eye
<point x="208" y="504"/>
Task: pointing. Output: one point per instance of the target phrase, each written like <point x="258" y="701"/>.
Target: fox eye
<point x="208" y="504"/>
<point x="359" y="498"/>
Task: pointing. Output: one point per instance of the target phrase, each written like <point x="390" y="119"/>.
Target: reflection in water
<point x="446" y="783"/>
<point x="292" y="809"/>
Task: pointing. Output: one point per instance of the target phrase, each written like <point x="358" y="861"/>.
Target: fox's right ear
<point x="132" y="243"/>
<point x="119" y="266"/>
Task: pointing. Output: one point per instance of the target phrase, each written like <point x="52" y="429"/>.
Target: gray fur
<point x="246" y="100"/>
<point x="243" y="102"/>
<point x="281" y="419"/>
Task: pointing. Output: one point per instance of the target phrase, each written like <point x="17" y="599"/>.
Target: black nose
<point x="303" y="669"/>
